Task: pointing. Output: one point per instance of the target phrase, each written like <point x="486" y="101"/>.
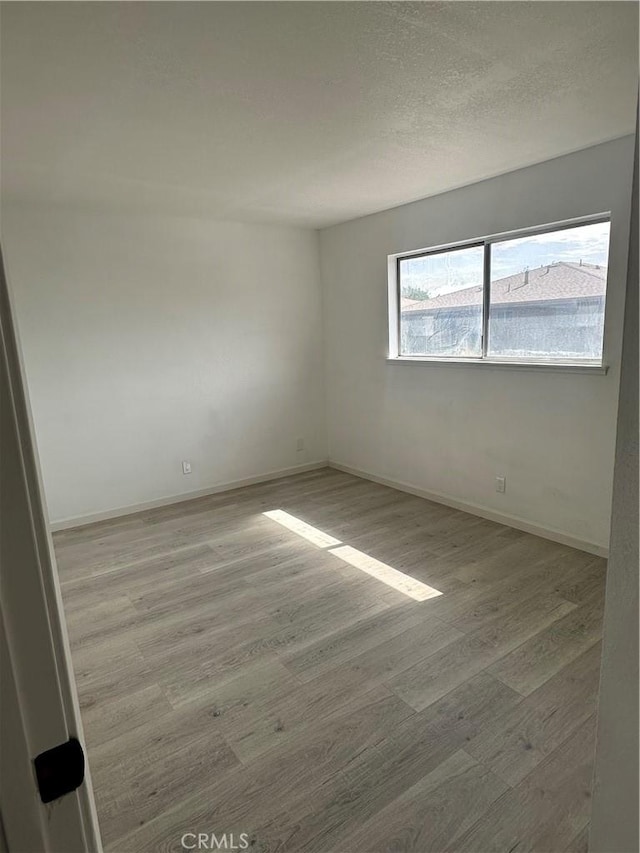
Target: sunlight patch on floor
<point x="307" y="531"/>
<point x="358" y="559"/>
<point x="382" y="572"/>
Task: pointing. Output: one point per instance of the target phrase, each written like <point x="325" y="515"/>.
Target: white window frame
<point x="559" y="364"/>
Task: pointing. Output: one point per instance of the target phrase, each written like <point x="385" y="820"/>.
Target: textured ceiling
<point x="309" y="113"/>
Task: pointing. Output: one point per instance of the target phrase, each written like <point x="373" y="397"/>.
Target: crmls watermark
<point x="214" y="841"/>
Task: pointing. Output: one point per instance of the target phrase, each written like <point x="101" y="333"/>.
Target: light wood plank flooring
<point x="237" y="676"/>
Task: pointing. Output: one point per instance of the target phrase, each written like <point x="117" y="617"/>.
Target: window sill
<point x="560" y="367"/>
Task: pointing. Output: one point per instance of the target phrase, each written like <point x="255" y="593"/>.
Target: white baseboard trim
<point x="92" y="518"/>
<point x="455" y="503"/>
<point x="475" y="509"/>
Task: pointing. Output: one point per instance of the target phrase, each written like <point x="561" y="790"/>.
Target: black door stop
<point x="59" y="770"/>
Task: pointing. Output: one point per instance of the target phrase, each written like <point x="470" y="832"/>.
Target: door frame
<point x="40" y="705"/>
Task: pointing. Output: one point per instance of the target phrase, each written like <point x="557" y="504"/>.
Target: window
<point x="441" y="303"/>
<point x="532" y="297"/>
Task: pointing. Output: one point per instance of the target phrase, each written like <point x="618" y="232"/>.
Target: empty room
<point x="319" y="503"/>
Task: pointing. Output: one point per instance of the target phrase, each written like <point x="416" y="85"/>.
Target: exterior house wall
<point x="570" y="328"/>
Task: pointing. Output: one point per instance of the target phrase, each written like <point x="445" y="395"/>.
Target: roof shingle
<point x="561" y="280"/>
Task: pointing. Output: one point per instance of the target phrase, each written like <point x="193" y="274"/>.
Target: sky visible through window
<point x="434" y="275"/>
<point x="586" y="243"/>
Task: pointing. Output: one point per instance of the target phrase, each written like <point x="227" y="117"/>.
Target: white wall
<point x="149" y="340"/>
<point x="614" y="819"/>
<point x="152" y="340"/>
<point x="449" y="429"/>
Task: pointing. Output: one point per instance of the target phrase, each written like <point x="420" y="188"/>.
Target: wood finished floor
<point x="236" y="677"/>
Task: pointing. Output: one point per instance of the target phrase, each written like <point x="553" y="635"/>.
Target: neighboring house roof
<point x="406" y="303"/>
<point x="561" y="280"/>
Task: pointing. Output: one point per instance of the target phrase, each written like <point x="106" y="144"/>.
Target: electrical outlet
<point x="501" y="484"/>
<point x="300" y="444"/>
<point x="186" y="467"/>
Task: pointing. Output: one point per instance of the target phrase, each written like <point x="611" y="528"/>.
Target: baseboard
<point x="455" y="503"/>
<point x="475" y="509"/>
<point x="92" y="518"/>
